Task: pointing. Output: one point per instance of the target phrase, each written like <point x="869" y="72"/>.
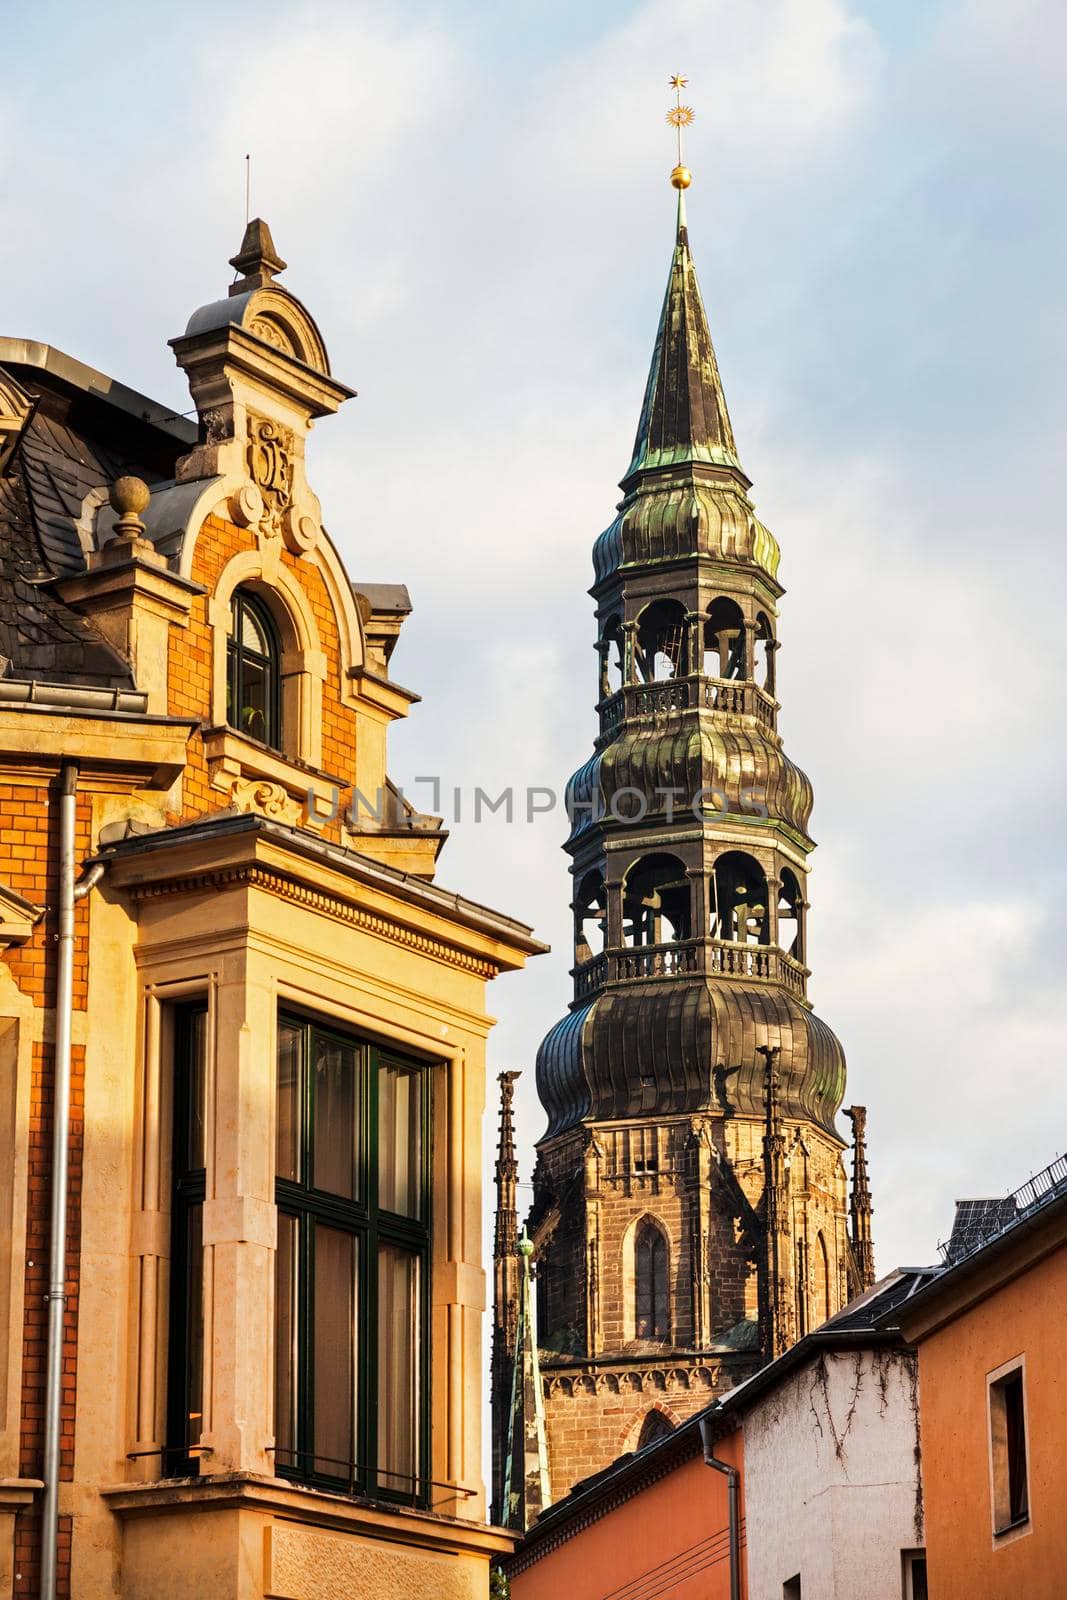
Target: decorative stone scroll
<point x="267" y="503"/>
<point x="269" y="799"/>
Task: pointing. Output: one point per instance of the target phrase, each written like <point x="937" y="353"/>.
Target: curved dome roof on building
<point x="703" y="1038"/>
<point x="666" y="518"/>
<point x="740" y="767"/>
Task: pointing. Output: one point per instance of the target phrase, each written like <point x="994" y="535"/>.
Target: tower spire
<point x="776" y="1331"/>
<point x="526" y="1491"/>
<point x="684" y="419"/>
<point x="506" y="1276"/>
<point x="670" y="1231"/>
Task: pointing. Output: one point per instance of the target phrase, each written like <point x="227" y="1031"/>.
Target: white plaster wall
<point x="831" y="1479"/>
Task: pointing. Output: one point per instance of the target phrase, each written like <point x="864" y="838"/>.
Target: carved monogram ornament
<point x="267" y="502"/>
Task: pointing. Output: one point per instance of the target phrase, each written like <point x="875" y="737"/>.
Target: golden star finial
<point x="680" y="117"/>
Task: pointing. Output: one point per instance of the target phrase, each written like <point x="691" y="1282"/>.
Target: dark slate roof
<point x="72" y="446"/>
<point x="684" y="418"/>
<point x="878" y="1306"/>
<point x="385" y="598"/>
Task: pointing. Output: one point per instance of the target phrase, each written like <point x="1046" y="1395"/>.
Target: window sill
<point x="318" y="1507"/>
<point x="238" y="765"/>
<point x="1011" y="1531"/>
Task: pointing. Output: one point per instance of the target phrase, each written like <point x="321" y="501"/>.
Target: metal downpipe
<point x="707" y="1436"/>
<point x="57" y="1257"/>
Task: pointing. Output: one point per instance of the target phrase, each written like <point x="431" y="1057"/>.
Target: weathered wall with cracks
<point x="832" y="1478"/>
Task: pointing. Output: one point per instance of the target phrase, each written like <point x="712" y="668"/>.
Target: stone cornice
<point x="277" y="883"/>
<point x="232" y="848"/>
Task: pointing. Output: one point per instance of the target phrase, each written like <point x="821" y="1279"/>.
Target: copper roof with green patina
<point x="684" y="418"/>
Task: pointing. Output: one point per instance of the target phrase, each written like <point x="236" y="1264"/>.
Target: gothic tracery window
<point x="655" y="1426"/>
<point x="651" y="1317"/>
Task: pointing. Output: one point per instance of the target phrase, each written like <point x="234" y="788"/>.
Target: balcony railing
<point x="655" y="960"/>
<point x="656" y="702"/>
<point x="978" y="1222"/>
<point x="717" y="957"/>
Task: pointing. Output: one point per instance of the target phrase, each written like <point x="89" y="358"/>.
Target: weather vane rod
<point x="680" y="117"/>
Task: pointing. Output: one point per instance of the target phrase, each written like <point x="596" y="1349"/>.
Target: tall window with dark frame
<point x="1007" y="1423"/>
<point x="651" y="1318"/>
<point x="351" y="1334"/>
<point x="253" y="670"/>
<point x="185" y="1363"/>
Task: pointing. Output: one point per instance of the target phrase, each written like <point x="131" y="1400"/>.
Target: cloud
<point x="482" y="230"/>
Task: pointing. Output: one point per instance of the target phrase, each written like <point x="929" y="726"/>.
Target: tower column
<point x="695" y="625"/>
<point x="750" y="649"/>
<point x="629" y="652"/>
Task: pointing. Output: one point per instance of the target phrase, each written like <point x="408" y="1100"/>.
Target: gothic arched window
<point x="651" y="1318"/>
<point x="655" y="1426"/>
<point x="823" y="1302"/>
<point x="253" y="670"/>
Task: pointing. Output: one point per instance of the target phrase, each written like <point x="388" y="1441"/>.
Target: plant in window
<point x="253" y="670"/>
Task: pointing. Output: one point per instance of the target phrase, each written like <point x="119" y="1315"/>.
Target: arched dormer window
<point x="651" y="1311"/>
<point x="253" y="671"/>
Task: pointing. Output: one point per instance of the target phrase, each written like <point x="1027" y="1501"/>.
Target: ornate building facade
<point x="242" y="1029"/>
<point x="690" y="1215"/>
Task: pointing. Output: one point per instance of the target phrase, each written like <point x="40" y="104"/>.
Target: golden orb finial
<point x="680" y="117"/>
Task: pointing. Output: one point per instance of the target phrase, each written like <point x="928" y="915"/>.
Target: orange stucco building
<point x="993" y="1405"/>
<point x="657" y="1523"/>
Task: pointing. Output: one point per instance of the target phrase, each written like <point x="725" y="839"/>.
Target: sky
<point x="474" y="203"/>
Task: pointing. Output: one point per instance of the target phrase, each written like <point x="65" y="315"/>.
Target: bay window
<point x="351" y="1358"/>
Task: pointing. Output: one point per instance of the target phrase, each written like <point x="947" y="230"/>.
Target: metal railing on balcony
<point x="656" y="960"/>
<point x="590" y="977"/>
<point x="979" y="1222"/>
<point x="641" y="702"/>
<point x="717" y="957"/>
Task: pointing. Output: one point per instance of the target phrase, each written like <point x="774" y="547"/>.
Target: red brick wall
<point x="189" y="675"/>
<point x="29" y="863"/>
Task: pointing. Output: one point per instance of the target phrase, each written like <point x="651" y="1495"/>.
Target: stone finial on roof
<point x="129" y="496"/>
<point x="257" y="261"/>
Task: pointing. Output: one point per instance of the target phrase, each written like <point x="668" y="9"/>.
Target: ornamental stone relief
<point x="267" y="503"/>
<point x="270" y="799"/>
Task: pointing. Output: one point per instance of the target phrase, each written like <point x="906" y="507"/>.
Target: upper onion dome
<point x="594" y="1064"/>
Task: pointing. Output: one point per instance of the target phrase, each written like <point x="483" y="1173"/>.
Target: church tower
<point x="690" y="1217"/>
